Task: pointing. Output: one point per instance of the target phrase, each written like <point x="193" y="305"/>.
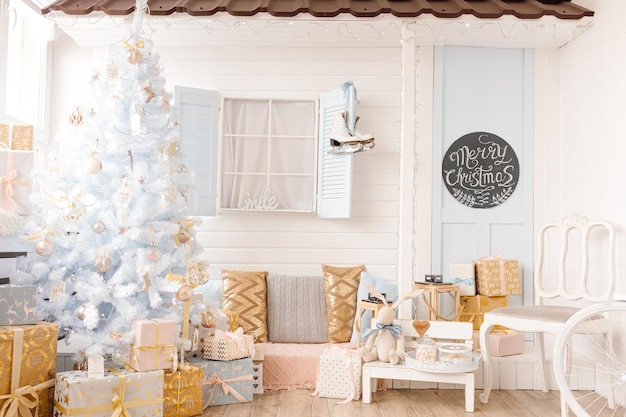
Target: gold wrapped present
<point x="16" y="137"/>
<point x="228" y="346"/>
<point x="27" y="367"/>
<point x="473" y="307"/>
<point x="121" y="392"/>
<point x="182" y="392"/>
<point x="496" y="276"/>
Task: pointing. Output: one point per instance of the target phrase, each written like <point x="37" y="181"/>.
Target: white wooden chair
<point x="448" y="330"/>
<point x="567" y="278"/>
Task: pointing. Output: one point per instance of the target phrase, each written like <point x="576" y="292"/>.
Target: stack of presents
<point x="17" y="160"/>
<point x="156" y="381"/>
<point x="484" y="285"/>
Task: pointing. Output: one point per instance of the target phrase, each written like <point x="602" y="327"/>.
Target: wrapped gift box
<point x="18" y="304"/>
<point x="137" y="393"/>
<point x="506" y="342"/>
<point x="464" y="276"/>
<point x="153" y="346"/>
<point x="16" y="185"/>
<point x="340" y="374"/>
<point x="496" y="276"/>
<point x="473" y="307"/>
<point x="182" y="392"/>
<point x="228" y="346"/>
<point x="17" y="137"/>
<point x="226" y="382"/>
<point x="28" y="359"/>
<point x="225" y="320"/>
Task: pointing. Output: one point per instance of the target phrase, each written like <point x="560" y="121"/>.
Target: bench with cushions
<point x="296" y="318"/>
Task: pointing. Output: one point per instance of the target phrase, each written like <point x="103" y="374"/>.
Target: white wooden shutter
<point x="334" y="172"/>
<point x="199" y="111"/>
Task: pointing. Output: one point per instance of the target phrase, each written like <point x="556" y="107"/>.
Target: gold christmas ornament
<point x="146" y="282"/>
<point x="76" y="118"/>
<point x="208" y="319"/>
<point x="184" y="293"/>
<point x="133" y="56"/>
<point x="72" y="213"/>
<point x="44" y="247"/>
<point x="149" y="94"/>
<point x="103" y="263"/>
<point x="165" y="105"/>
<point x="183" y="235"/>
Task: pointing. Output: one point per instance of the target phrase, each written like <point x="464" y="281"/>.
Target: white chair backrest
<point x="440" y="330"/>
<point x="575" y="260"/>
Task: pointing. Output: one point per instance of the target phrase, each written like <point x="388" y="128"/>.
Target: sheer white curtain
<point x="268" y="155"/>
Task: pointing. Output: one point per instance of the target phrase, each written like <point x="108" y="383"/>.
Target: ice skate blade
<point x="351" y="148"/>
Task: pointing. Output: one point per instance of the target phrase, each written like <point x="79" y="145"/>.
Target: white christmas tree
<point x="112" y="241"/>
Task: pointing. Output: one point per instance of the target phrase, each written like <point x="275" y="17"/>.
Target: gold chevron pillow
<point x="341" y="285"/>
<point x="245" y="292"/>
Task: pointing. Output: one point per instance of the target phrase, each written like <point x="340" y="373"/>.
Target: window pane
<point x="295" y="193"/>
<point x="293" y="118"/>
<point x="26" y="64"/>
<point x="283" y="150"/>
<point x="245" y="154"/>
<point x="246" y="117"/>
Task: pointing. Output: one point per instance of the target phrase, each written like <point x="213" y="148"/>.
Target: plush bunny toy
<point x="385" y="342"/>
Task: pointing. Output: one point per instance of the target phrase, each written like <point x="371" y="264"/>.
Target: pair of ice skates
<point x="342" y="141"/>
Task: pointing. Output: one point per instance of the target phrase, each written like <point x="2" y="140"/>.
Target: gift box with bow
<point x="226" y="382"/>
<point x="27" y="369"/>
<point x="464" y="276"/>
<point x="16" y="137"/>
<point x="182" y="392"/>
<point x="340" y="374"/>
<point x="153" y="346"/>
<point x="120" y="392"/>
<point x="496" y="276"/>
<point x="228" y="346"/>
<point x="16" y="184"/>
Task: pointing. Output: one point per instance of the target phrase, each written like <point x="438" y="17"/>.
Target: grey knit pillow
<point x="296" y="309"/>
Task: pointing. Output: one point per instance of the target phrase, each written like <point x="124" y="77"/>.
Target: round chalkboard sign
<point x="480" y="170"/>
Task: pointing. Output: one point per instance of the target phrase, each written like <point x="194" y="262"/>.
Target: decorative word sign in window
<point x="480" y="170"/>
<point x="268" y="155"/>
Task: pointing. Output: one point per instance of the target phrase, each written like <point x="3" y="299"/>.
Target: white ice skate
<point x="344" y="142"/>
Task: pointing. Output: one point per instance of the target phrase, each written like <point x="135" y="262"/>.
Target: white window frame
<point x="330" y="200"/>
<point x="268" y="174"/>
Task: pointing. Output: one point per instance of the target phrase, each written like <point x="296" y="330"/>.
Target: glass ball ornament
<point x="93" y="166"/>
<point x="184" y="293"/>
<point x="102" y="263"/>
<point x="80" y="312"/>
<point x="153" y="253"/>
<point x="72" y="213"/>
<point x="44" y="247"/>
<point x="98" y="227"/>
<point x="183" y="235"/>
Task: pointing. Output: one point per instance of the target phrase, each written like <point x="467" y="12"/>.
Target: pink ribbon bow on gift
<point x="226" y="389"/>
<point x="9" y="180"/>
